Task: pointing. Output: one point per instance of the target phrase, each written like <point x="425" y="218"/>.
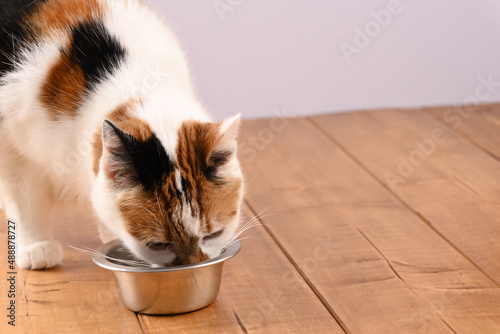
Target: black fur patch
<point x="219" y="158"/>
<point x="95" y="51"/>
<point x="185" y="186"/>
<point x="149" y="159"/>
<point x="185" y="190"/>
<point x="12" y="34"/>
<point x="216" y="160"/>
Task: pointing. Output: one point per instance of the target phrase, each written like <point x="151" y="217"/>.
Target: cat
<point x="97" y="109"/>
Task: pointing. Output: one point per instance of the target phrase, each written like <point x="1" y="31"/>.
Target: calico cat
<point x="96" y="108"/>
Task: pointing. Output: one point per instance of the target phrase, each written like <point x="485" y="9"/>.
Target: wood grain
<point x="387" y="271"/>
<point x="479" y="124"/>
<point x="76" y="297"/>
<point x="455" y="187"/>
<point x="261" y="292"/>
<point x="340" y="245"/>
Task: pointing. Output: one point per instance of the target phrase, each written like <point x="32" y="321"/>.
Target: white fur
<point x="46" y="162"/>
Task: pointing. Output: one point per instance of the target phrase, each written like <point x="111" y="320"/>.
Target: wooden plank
<point x="261" y="292"/>
<point x="386" y="271"/>
<point x="76" y="297"/>
<point x="480" y="124"/>
<point x="455" y="186"/>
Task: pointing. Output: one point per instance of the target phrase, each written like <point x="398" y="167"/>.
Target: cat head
<point x="169" y="208"/>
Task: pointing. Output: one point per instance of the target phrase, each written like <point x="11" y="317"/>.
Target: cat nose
<point x="179" y="261"/>
<point x="189" y="258"/>
<point x="199" y="257"/>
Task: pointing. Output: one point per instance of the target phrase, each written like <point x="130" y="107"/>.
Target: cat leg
<point x="36" y="248"/>
<point x="28" y="202"/>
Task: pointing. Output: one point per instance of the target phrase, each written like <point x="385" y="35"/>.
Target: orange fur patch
<point x="219" y="202"/>
<point x="150" y="220"/>
<point x="154" y="217"/>
<point x="97" y="150"/>
<point x="64" y="89"/>
<point x="57" y="15"/>
<point x="64" y="86"/>
<point x="126" y="121"/>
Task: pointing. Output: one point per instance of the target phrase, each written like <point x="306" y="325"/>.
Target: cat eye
<point x="213" y="235"/>
<point x="159" y="245"/>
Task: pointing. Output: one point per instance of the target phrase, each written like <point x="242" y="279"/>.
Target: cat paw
<point x="40" y="255"/>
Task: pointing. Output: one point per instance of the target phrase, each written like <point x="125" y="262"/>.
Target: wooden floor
<point x="382" y="221"/>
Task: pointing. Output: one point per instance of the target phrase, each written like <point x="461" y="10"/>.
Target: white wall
<point x="253" y="56"/>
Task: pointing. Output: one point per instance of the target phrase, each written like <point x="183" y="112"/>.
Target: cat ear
<point x="224" y="147"/>
<point x="116" y="160"/>
<point x="228" y="135"/>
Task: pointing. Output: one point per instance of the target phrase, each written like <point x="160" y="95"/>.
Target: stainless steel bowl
<point x="164" y="290"/>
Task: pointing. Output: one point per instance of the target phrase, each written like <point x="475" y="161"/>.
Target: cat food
<point x="163" y="290"/>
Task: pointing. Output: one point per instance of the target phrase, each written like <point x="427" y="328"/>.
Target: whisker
<point x="158" y="203"/>
<point x="90" y="251"/>
<point x="251" y="237"/>
<point x="246" y="224"/>
<point x="247" y="227"/>
<point x="254" y="222"/>
<point x="251" y="224"/>
<point x="259" y="215"/>
<point x="232" y="241"/>
<point x="249" y="182"/>
<point x="160" y="225"/>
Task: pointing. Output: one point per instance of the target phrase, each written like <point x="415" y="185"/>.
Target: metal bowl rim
<point x="103" y="262"/>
